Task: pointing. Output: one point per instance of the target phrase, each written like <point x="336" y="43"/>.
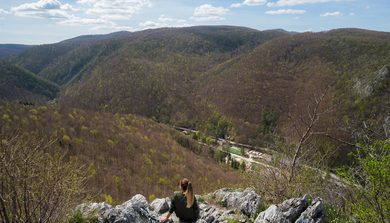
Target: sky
<point x="36" y="22"/>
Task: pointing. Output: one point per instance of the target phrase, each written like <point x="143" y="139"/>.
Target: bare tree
<point x="298" y="167"/>
<point x="37" y="186"/>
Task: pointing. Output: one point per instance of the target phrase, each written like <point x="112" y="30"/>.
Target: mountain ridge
<point x="198" y="76"/>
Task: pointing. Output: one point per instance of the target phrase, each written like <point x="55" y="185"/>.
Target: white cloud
<point x="115" y="9"/>
<point x="2" y="11"/>
<point x="209" y="10"/>
<point x="296" y="17"/>
<point x="237" y="5"/>
<point x="201" y="19"/>
<point x="284" y="11"/>
<point x="331" y="14"/>
<point x="43" y="9"/>
<point x="77" y="21"/>
<point x="351" y="14"/>
<point x="298" y="2"/>
<point x="322" y="28"/>
<point x="367" y="7"/>
<point x="98" y="24"/>
<point x="162" y="18"/>
<point x="254" y="2"/>
<point x="152" y="24"/>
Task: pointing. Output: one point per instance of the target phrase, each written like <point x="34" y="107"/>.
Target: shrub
<point x="35" y="185"/>
<point x="369" y="183"/>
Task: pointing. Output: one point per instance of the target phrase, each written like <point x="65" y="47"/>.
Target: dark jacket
<point x="179" y="206"/>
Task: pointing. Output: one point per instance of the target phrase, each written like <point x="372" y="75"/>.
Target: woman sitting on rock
<point x="184" y="204"/>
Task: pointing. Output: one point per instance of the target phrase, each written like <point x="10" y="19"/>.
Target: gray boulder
<point x="315" y="213"/>
<point x="160" y="205"/>
<point x="111" y="214"/>
<point x="229" y="214"/>
<point x="293" y="208"/>
<point x="285" y="212"/>
<point x="272" y="214"/>
<point x="250" y="203"/>
<point x="231" y="200"/>
<point x="206" y="213"/>
<point x="138" y="199"/>
<point x="129" y="215"/>
<point x="221" y="193"/>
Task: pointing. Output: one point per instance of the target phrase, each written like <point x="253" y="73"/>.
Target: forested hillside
<point x="20" y="85"/>
<point x="226" y="81"/>
<point x="306" y="99"/>
<point x="126" y="154"/>
<point x="9" y="49"/>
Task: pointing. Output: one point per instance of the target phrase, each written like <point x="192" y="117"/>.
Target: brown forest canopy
<point x="227" y="81"/>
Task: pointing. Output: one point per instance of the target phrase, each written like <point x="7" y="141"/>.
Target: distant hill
<point x="94" y="38"/>
<point x="225" y="80"/>
<point x="20" y="85"/>
<point x="9" y="49"/>
<point x="37" y="58"/>
<point x="282" y="30"/>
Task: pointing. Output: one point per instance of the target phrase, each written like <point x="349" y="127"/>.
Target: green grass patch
<point x="235" y="151"/>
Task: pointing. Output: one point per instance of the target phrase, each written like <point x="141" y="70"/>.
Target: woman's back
<point x="179" y="205"/>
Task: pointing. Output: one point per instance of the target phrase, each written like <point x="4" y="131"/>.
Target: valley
<point x="118" y="105"/>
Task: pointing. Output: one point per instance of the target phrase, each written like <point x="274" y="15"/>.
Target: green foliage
<point x="152" y="198"/>
<point x="210" y="141"/>
<point x="333" y="215"/>
<point x="370" y="181"/>
<point x="194" y="136"/>
<point x="78" y="217"/>
<point x="119" y="150"/>
<point x="268" y="119"/>
<point x="201" y="198"/>
<point x="23" y="86"/>
<point x="108" y="199"/>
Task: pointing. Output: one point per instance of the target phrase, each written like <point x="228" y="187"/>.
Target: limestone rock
<point x="315" y="213"/>
<point x="160" y="205"/>
<point x="221" y="193"/>
<point x="231" y="200"/>
<point x="250" y="203"/>
<point x="285" y="212"/>
<point x="229" y="214"/>
<point x="137" y="199"/>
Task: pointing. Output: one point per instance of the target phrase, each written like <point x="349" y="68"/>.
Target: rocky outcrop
<point x="366" y="84"/>
<point x="315" y="213"/>
<point x="295" y="210"/>
<point x="242" y="205"/>
<point x="218" y="194"/>
<point x="160" y="205"/>
<point x="247" y="201"/>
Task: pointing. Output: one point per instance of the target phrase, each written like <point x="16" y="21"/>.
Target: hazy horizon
<point x="35" y="22"/>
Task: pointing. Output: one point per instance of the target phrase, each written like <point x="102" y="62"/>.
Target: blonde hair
<point x="189" y="192"/>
